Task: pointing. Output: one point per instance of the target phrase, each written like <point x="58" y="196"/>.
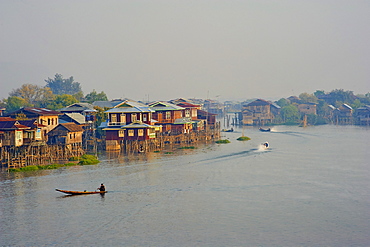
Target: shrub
<point x="88" y="159"/>
<point x="243" y="138"/>
<point x="223" y="141"/>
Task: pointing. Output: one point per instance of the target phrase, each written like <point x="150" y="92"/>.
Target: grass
<point x="243" y="138"/>
<point x="85" y="159"/>
<point x="188" y="147"/>
<point x="224" y="141"/>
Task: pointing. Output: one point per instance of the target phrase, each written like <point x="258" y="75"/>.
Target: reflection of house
<point x="307" y="108"/>
<point x="66" y="133"/>
<point x="44" y="116"/>
<point x="343" y="115"/>
<point x="259" y="112"/>
<point x="363" y="115"/>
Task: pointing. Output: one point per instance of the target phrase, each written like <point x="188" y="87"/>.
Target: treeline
<point x="289" y="112"/>
<point x="57" y="93"/>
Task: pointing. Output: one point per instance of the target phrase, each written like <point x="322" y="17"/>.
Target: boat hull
<point x="71" y="192"/>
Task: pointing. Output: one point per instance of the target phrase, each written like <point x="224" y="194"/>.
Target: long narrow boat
<point x="265" y="130"/>
<point x="71" y="192"/>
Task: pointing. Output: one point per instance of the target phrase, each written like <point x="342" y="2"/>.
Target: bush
<point x="243" y="138"/>
<point x="187" y="147"/>
<point x="223" y="141"/>
<point x="88" y="159"/>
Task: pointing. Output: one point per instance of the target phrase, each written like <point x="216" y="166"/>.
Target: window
<point x="140" y="132"/>
<point x="121" y="133"/>
<point x="48" y="121"/>
<point x="113" y="118"/>
<point x="133" y="117"/>
<point x="187" y="113"/>
<point x="145" y="117"/>
<point x="168" y="115"/>
<point x="123" y="118"/>
<point x="131" y="133"/>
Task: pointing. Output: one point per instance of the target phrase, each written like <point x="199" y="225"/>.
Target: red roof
<point x="6" y="119"/>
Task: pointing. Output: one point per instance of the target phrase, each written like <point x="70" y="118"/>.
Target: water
<point x="310" y="188"/>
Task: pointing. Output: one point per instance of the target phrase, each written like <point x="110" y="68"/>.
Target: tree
<point x="59" y="85"/>
<point x="308" y="98"/>
<point x="94" y="96"/>
<point x="62" y="101"/>
<point x="34" y="95"/>
<point x="319" y="93"/>
<point x="339" y="96"/>
<point x="14" y="103"/>
<point x="283" y="102"/>
<point x="290" y="114"/>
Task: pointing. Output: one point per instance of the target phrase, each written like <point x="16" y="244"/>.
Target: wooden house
<point x="343" y="114"/>
<point x="135" y="131"/>
<point x="166" y="113"/>
<point x="44" y="116"/>
<point x="85" y="109"/>
<point x="209" y="118"/>
<point x="259" y="112"/>
<point x="12" y="133"/>
<point x="363" y="115"/>
<point x="130" y="120"/>
<point x="36" y="134"/>
<point x="191" y="110"/>
<point x="307" y="108"/>
<point x="65" y="134"/>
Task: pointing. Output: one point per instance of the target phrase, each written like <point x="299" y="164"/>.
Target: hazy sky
<point x="166" y="49"/>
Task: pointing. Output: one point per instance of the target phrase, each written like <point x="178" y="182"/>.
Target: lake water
<point x="311" y="188"/>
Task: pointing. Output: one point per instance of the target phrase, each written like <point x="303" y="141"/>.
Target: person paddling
<point x="102" y="187"/>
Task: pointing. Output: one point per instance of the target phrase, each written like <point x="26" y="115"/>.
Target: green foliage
<point x="88" y="159"/>
<point x="283" y="102"/>
<point x="33" y="95"/>
<point x="59" y="85"/>
<point x="62" y="101"/>
<point x="339" y="96"/>
<point x="44" y="167"/>
<point x="243" y="138"/>
<point x="308" y="98"/>
<point x="224" y="141"/>
<point x="14" y="103"/>
<point x="188" y="147"/>
<point x="94" y="96"/>
<point x="290" y="114"/>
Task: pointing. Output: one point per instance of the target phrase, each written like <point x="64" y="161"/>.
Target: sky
<point x="168" y="49"/>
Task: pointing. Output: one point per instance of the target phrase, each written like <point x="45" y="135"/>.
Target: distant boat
<point x="226" y="130"/>
<point x="71" y="192"/>
<point x="265" y="130"/>
<point x="266" y="144"/>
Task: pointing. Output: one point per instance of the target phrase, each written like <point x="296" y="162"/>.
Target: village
<point x="32" y="135"/>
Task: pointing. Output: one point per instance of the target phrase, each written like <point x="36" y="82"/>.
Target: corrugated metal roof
<point x="165" y="106"/>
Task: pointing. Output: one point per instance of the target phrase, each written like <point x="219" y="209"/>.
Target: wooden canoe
<point x="71" y="192"/>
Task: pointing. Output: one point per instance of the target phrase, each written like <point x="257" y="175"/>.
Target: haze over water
<point x="311" y="188"/>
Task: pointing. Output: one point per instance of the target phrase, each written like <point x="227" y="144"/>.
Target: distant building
<point x="343" y="115"/>
<point x="44" y="116"/>
<point x="363" y="115"/>
<point x="307" y="108"/>
<point x="259" y="112"/>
